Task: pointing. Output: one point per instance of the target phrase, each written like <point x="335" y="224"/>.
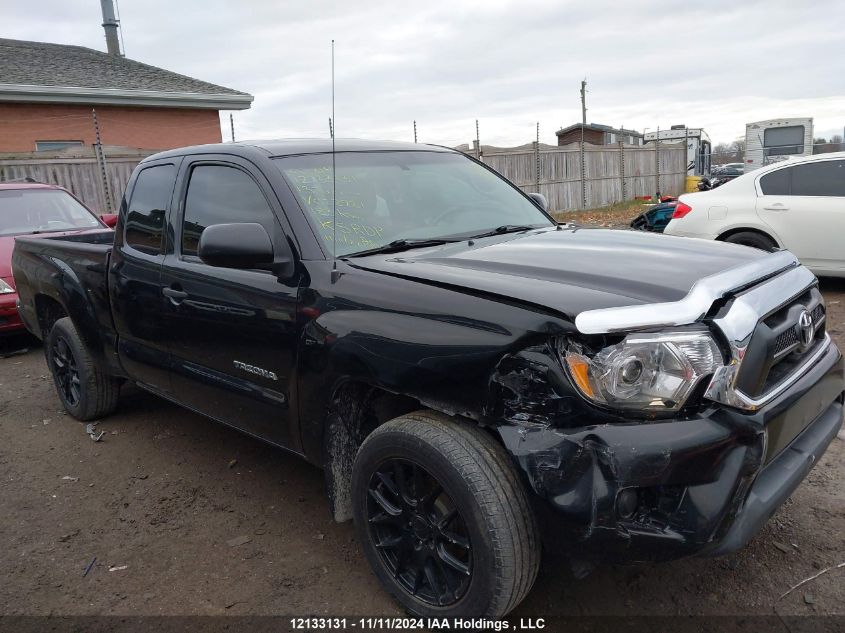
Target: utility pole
<point x="537" y="159"/>
<point x="101" y="159"/>
<point x="331" y="131"/>
<point x="232" y="125"/>
<point x="415" y="131"/>
<point x="583" y="161"/>
<point x="657" y="163"/>
<point x="477" y="142"/>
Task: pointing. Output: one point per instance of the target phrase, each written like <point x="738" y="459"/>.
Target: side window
<point x="147" y="208"/>
<point x="776" y="183"/>
<point x="826" y="178"/>
<point x="217" y="195"/>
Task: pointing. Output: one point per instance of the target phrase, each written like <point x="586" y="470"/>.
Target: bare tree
<point x="721" y="154"/>
<point x="738" y="150"/>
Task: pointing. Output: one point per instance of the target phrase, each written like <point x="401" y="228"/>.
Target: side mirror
<point x="242" y="245"/>
<point x="540" y="200"/>
<point x="109" y="219"/>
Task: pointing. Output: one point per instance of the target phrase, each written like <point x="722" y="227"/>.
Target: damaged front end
<point x="623" y="437"/>
<point x="649" y="490"/>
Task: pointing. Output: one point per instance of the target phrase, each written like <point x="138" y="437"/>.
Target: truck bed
<point x="67" y="275"/>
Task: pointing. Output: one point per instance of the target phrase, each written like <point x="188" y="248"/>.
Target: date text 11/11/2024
<point x="412" y="624"/>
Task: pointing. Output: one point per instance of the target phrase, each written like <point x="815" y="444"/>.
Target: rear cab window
<point x="147" y="208"/>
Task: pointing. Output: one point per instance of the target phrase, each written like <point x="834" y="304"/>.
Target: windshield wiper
<point x="505" y="228"/>
<point x="403" y="245"/>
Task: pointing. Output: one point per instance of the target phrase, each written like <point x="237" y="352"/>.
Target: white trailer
<point x="774" y="140"/>
<point x="697" y="142"/>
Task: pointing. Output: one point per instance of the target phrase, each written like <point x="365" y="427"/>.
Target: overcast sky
<point x="715" y="64"/>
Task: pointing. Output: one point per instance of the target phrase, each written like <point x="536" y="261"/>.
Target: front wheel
<point x="85" y="391"/>
<point x="443" y="518"/>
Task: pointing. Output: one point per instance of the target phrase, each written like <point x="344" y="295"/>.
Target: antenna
<point x="335" y="274"/>
<point x="120" y="27"/>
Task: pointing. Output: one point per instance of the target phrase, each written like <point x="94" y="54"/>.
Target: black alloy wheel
<point x="66" y="371"/>
<point x="420" y="534"/>
<point x="86" y="391"/>
<point x="443" y="517"/>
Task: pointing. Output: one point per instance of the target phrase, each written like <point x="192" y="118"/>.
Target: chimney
<point x="110" y="27"/>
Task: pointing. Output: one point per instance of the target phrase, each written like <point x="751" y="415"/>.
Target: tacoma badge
<point x="255" y="370"/>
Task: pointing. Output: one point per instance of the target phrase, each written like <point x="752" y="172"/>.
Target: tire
<point x="85" y="391"/>
<point x="755" y="240"/>
<point x="470" y="550"/>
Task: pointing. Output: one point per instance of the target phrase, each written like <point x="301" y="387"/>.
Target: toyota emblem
<point x="806" y="331"/>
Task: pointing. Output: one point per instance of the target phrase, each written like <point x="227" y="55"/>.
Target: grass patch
<point x="618" y="214"/>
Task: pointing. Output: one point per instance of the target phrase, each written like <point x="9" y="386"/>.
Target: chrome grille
<point x="762" y="366"/>
<point x="786" y="340"/>
<point x="776" y="348"/>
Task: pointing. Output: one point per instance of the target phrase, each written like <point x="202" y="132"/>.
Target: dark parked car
<point x="655" y="218"/>
<point x="468" y="373"/>
<point x="727" y="173"/>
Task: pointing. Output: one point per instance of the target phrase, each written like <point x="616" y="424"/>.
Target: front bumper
<point x="10" y="320"/>
<point x="703" y="485"/>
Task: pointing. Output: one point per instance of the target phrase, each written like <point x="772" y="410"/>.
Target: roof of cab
<point x="295" y="146"/>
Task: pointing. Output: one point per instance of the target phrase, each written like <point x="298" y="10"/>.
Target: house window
<point x="44" y="146"/>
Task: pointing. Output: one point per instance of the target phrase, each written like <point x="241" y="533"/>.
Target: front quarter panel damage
<point x="687" y="477"/>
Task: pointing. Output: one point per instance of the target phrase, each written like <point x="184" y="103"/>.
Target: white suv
<point x="798" y="204"/>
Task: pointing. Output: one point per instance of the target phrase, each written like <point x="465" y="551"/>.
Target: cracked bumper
<point x="697" y="486"/>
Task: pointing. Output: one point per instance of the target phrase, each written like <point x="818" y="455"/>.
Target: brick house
<point x="597" y="134"/>
<point x="48" y="91"/>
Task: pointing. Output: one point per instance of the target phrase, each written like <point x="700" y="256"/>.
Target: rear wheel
<point x="755" y="240"/>
<point x="85" y="391"/>
<point x="443" y="518"/>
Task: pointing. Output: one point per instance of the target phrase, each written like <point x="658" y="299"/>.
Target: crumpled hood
<point x="569" y="270"/>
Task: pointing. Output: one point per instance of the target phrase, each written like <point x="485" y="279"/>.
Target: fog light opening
<point x="627" y="502"/>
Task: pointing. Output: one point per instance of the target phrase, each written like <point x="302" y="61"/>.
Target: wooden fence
<point x="79" y="171"/>
<point x="613" y="173"/>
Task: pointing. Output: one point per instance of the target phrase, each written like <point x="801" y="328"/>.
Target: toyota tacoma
<point x="473" y="377"/>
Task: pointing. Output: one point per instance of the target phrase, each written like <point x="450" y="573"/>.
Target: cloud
<point x="508" y="64"/>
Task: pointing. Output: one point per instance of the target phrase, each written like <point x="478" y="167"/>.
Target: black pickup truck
<point x="472" y="376"/>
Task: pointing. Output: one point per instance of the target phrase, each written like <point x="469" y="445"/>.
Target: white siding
<point x="754" y="133"/>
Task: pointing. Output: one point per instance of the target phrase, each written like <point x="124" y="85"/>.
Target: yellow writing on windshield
<point x="354" y="228"/>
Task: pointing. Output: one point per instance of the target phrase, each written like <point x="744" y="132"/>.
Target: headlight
<point x="5" y="288"/>
<point x="647" y="372"/>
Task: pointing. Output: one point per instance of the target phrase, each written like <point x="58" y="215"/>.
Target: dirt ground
<point x="181" y="516"/>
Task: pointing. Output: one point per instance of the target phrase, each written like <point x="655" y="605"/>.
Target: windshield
<point x="41" y="211"/>
<point x="387" y="196"/>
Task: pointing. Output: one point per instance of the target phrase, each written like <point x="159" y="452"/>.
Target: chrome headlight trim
<point x="785" y="280"/>
<point x="6" y="288"/>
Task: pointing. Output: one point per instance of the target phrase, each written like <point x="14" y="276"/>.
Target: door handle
<point x="175" y="295"/>
<point x="777" y="207"/>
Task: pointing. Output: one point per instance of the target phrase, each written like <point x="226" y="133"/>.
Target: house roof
<point x="598" y="128"/>
<point x="59" y="73"/>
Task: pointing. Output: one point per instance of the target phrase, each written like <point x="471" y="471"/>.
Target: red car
<point x="36" y="209"/>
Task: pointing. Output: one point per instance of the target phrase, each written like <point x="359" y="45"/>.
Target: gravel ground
<point x="183" y="516"/>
